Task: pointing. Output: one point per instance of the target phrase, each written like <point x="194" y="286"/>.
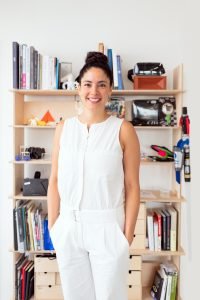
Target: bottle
<point x="187" y="173"/>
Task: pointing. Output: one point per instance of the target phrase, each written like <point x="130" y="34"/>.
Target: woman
<point x="93" y="194"/>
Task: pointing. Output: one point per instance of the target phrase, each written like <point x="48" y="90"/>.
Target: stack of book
<point x="24" y="278"/>
<point x="114" y="61"/>
<point x="165" y="282"/>
<point x="162" y="229"/>
<point x="30" y="228"/>
<point x="31" y="70"/>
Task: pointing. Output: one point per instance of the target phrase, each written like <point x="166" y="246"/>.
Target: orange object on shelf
<point x="149" y="82"/>
<point x="48" y="117"/>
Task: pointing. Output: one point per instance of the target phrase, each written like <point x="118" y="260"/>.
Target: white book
<point x="169" y="284"/>
<point x="173" y="232"/>
<point x="165" y="278"/>
<point x="45" y="72"/>
<point x="28" y="56"/>
<point x="150" y="230"/>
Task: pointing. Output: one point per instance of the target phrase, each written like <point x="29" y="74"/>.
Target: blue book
<point x="57" y="73"/>
<point x="47" y="239"/>
<point x="110" y="58"/>
<point x="119" y="73"/>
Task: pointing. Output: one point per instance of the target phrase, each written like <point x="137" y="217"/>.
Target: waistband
<point x="94" y="216"/>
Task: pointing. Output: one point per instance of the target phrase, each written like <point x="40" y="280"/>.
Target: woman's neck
<point x="91" y="118"/>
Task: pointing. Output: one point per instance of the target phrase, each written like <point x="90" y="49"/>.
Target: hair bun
<point x="96" y="57"/>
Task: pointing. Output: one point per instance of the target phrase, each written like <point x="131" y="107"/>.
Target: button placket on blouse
<point x="86" y="135"/>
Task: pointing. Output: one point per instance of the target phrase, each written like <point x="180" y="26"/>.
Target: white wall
<point x="145" y="30"/>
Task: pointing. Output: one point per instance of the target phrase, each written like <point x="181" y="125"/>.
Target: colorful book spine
<point x="15" y="49"/>
<point x="119" y="73"/>
<point x="110" y="58"/>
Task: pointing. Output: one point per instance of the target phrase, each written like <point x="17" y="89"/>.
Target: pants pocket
<point x="121" y="235"/>
<point x="54" y="231"/>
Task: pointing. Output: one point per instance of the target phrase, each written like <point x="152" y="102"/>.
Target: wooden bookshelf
<point x="33" y="102"/>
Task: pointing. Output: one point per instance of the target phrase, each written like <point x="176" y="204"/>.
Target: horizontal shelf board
<point x="48" y="162"/>
<point x="136" y="127"/>
<point x="35" y="252"/>
<point x="158" y="127"/>
<point x="33" y="127"/>
<point x="45" y="92"/>
<point x="131" y="251"/>
<point x="146" y="92"/>
<point x="148" y="252"/>
<point x="142" y="199"/>
<point x="21" y="197"/>
<point x="114" y="92"/>
<point x="157" y="196"/>
<point x="33" y="162"/>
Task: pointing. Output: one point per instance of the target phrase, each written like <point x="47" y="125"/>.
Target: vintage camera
<point x="36" y="152"/>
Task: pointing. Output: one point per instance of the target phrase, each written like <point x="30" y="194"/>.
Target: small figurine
<point x="69" y="83"/>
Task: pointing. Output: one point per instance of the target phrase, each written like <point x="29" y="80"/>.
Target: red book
<point x="23" y="279"/>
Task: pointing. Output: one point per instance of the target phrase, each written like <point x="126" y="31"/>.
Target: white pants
<point x="92" y="254"/>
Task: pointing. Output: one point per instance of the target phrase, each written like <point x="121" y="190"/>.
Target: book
<point x="173" y="233"/>
<point x="29" y="276"/>
<point x="172" y="274"/>
<point x="157" y="215"/>
<point x="110" y="58"/>
<point x="163" y="274"/>
<point x="101" y="47"/>
<point x="15" y="229"/>
<point x="23" y="74"/>
<point x="150" y="230"/>
<point x="164" y="230"/>
<point x="168" y="228"/>
<point x="15" y="51"/>
<point x="17" y="264"/>
<point x="157" y="286"/>
<point x="115" y="74"/>
<point x="155" y="229"/>
<point x="119" y="73"/>
<point x="32" y="67"/>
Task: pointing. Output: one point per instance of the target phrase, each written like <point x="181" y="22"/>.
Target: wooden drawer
<point x="45" y="278"/>
<point x="135" y="292"/>
<point x="135" y="263"/>
<point x="53" y="292"/>
<point x="45" y="264"/>
<point x="142" y="212"/>
<point x="140" y="226"/>
<point x="138" y="242"/>
<point x="134" y="278"/>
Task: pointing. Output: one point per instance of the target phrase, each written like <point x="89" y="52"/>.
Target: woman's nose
<point x="94" y="88"/>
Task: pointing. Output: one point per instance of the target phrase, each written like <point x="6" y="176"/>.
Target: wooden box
<point x="149" y="82"/>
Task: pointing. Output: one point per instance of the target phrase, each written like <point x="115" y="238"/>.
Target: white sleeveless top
<point x="90" y="166"/>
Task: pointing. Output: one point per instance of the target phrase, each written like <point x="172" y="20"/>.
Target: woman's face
<point x="95" y="89"/>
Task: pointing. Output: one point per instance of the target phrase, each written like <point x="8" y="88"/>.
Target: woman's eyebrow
<point x="104" y="81"/>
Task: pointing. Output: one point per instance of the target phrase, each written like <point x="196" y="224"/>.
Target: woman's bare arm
<point x="53" y="198"/>
<point x="131" y="161"/>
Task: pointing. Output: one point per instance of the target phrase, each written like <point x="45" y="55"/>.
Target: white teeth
<point x="94" y="99"/>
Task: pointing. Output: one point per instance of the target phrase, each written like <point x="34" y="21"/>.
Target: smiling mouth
<point x="94" y="100"/>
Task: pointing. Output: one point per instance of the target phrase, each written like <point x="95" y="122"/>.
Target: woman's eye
<point x="102" y="85"/>
<point x="87" y="84"/>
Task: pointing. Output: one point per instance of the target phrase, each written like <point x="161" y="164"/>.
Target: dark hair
<point x="96" y="60"/>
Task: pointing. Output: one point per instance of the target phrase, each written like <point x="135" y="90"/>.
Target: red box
<point x="149" y="82"/>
